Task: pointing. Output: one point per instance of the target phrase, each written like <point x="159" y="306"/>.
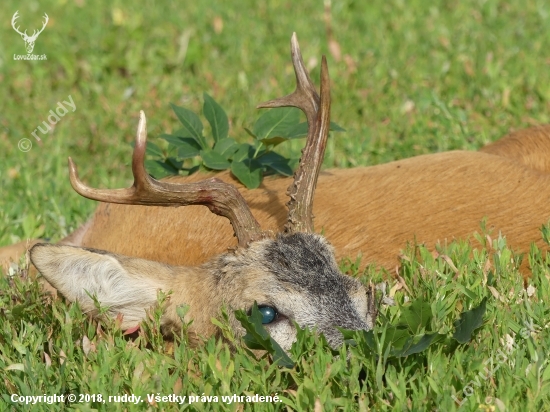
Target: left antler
<point x="221" y="198"/>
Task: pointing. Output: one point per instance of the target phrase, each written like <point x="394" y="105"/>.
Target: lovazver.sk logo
<point x="29" y="40"/>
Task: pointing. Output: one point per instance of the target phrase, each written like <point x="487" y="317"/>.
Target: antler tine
<point x="305" y="96"/>
<point x="317" y="110"/>
<point x="221" y="198"/>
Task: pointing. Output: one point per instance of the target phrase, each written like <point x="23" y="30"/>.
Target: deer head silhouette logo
<point x="29" y="40"/>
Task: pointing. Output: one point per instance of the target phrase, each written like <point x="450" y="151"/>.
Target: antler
<point x="317" y="111"/>
<point x="221" y="198"/>
<point x="13" y="19"/>
<point x="34" y="34"/>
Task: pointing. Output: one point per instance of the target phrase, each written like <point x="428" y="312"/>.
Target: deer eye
<point x="269" y="314"/>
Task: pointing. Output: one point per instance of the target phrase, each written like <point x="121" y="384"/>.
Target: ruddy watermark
<point x="54" y="116"/>
<point x="494" y="363"/>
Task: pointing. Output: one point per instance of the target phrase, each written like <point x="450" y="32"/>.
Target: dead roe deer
<point x="373" y="211"/>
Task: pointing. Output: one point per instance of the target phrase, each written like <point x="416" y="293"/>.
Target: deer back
<point x="371" y="210"/>
<point x="191" y="235"/>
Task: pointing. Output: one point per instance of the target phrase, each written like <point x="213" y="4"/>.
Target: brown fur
<point x="294" y="277"/>
<point x="528" y="146"/>
<point x="13" y="253"/>
<point x="370" y="210"/>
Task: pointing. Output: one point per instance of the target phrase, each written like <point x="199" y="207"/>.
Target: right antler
<point x="317" y="111"/>
<point x="221" y="198"/>
<point x="35" y="33"/>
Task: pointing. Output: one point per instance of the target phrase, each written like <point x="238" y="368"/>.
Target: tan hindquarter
<point x="528" y="146"/>
<point x="12" y="253"/>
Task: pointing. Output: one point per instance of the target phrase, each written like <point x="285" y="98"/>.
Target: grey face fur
<point x="305" y="263"/>
<point x="302" y="281"/>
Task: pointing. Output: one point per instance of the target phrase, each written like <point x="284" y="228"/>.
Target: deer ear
<point x="123" y="285"/>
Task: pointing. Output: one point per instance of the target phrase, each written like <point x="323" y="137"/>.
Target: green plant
<point x="248" y="162"/>
<point x="414" y="332"/>
<point x="479" y="61"/>
<point x="410" y="334"/>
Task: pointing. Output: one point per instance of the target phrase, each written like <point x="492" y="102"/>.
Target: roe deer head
<point x="293" y="276"/>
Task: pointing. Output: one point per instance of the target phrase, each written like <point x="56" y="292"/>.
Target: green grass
<point x="50" y="348"/>
<point x="419" y="77"/>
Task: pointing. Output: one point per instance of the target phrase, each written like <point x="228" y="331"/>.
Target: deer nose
<point x="335" y="337"/>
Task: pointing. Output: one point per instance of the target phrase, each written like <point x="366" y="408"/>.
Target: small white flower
<point x="508" y="342"/>
<point x="13" y="269"/>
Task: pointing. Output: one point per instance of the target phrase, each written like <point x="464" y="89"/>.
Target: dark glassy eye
<point x="269" y="314"/>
